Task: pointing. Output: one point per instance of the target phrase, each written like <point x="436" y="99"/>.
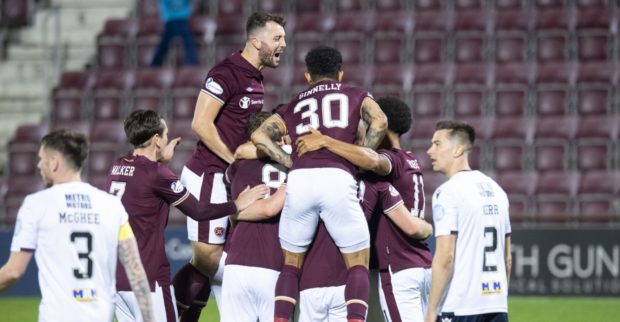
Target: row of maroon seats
<point x="149" y="8"/>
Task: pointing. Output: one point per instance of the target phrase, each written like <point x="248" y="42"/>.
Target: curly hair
<point x="398" y="114"/>
<point x="323" y="61"/>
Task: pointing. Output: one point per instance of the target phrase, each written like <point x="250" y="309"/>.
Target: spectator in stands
<point x="175" y="15"/>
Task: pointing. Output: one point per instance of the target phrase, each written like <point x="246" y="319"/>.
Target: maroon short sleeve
<point x="218" y="84"/>
<point x="169" y="187"/>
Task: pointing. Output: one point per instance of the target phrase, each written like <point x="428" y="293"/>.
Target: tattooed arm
<point x="377" y="123"/>
<point x="129" y="257"/>
<point x="266" y="136"/>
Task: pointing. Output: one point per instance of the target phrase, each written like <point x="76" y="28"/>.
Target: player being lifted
<point x="232" y="92"/>
<point x="321" y="184"/>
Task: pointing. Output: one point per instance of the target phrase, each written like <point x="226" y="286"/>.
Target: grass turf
<point x="521" y="309"/>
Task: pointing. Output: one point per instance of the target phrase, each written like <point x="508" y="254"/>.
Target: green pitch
<point x="522" y="309"/>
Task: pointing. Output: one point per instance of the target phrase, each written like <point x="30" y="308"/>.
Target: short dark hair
<point x="71" y="144"/>
<point x="398" y="114"/>
<point x="259" y="19"/>
<point x="141" y="125"/>
<point x="460" y="129"/>
<point x="255" y="121"/>
<point x="323" y="61"/>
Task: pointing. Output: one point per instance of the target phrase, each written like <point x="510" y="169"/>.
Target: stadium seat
<point x="468" y="103"/>
<point x="181" y="155"/>
<point x="109" y="92"/>
<point x="17" y="189"/>
<point x="147" y="9"/>
<point x="591" y="3"/>
<point x="427" y="104"/>
<point x="508" y="156"/>
<point x="100" y="160"/>
<point x="517" y="128"/>
<point x="551" y="47"/>
<point x="593" y="101"/>
<point x="15" y="13"/>
<point x="597" y="72"/>
<point x="594" y="155"/>
<point x="313" y="23"/>
<point x="472" y="73"/>
<point x="555" y="209"/>
<point x="593" y="47"/>
<point x="67" y="97"/>
<point x="432" y="74"/>
<point x="549" y="3"/>
<point x="361" y="22"/>
<point x="301" y="48"/>
<point x="510" y="48"/>
<point x="552" y="102"/>
<point x="29" y="136"/>
<point x="598" y="127"/>
<point x="352" y="50"/>
<point x="231" y="7"/>
<point x="514" y="73"/>
<point x="150" y="89"/>
<point x="513" y="20"/>
<point x="597" y="209"/>
<point x="518" y="184"/>
<point x="391" y="4"/>
<point x="398" y="21"/>
<point x="433" y="21"/>
<point x="277" y="6"/>
<point x="556" y="73"/>
<point x="558" y="183"/>
<point x="469" y="48"/>
<point x="597" y="196"/>
<point x="554" y="191"/>
<point x="114" y="41"/>
<point x="394" y="77"/>
<point x="595" y="18"/>
<point x="551" y="156"/>
<point x="428" y="49"/>
<point x="183" y="106"/>
<point x="602" y="182"/>
<point x="471" y="20"/>
<point x="432" y="180"/>
<point x="508" y="4"/>
<point x="468" y="4"/>
<point x="23" y="162"/>
<point x="422" y="131"/>
<point x="183" y="128"/>
<point x="509" y="102"/>
<point x="556" y="127"/>
<point x="552" y="19"/>
<point x="307" y="6"/>
<point x="388" y="50"/>
<point x="111" y="133"/>
<point x="79" y="126"/>
<point x="518" y="209"/>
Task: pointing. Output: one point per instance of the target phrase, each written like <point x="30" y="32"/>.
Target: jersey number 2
<point x="83" y="256"/>
<point x="310" y="107"/>
<point x="489" y="249"/>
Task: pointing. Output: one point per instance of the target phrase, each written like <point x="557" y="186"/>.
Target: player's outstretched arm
<point x="203" y="123"/>
<point x="377" y="123"/>
<point x="508" y="258"/>
<point x="412" y="226"/>
<point x="265" y="208"/>
<point x="14" y="269"/>
<point x="266" y="136"/>
<point x="202" y="211"/>
<point x="362" y="157"/>
<point x="442" y="268"/>
<point x="129" y="257"/>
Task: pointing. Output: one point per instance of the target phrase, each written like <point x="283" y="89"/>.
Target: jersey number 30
<point x="309" y="108"/>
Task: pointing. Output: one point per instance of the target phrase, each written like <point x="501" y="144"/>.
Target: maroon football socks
<point x="192" y="290"/>
<point x="357" y="293"/>
<point x="287" y="292"/>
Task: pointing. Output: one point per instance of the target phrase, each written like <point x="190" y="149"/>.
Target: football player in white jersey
<point x="471" y="267"/>
<point x="77" y="232"/>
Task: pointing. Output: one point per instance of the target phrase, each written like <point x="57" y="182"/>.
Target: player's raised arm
<point x="266" y="136"/>
<point x="377" y="123"/>
<point x="14" y="268"/>
<point x="362" y="157"/>
<point x="129" y="257"/>
<point x="203" y="123"/>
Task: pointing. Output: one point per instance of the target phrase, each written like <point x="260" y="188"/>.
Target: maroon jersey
<point x="147" y="189"/>
<point x="393" y="247"/>
<point x="332" y="108"/>
<point x="255" y="243"/>
<point x="238" y="85"/>
<point x="324" y="265"/>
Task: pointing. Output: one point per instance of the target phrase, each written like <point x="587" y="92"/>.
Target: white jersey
<point x="475" y="208"/>
<point x="73" y="228"/>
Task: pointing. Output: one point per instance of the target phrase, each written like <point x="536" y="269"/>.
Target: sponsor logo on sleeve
<point x="393" y="191"/>
<point x="177" y="186"/>
<point x="438" y="212"/>
<point x="213" y="87"/>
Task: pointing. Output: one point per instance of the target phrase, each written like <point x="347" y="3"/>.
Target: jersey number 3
<point x="83" y="239"/>
<point x="309" y="108"/>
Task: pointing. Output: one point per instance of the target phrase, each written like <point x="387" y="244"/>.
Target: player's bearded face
<point x="272" y="45"/>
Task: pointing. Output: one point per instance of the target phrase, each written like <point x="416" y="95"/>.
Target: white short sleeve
<point x="507" y="227"/>
<point x="26" y="227"/>
<point x="445" y="213"/>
